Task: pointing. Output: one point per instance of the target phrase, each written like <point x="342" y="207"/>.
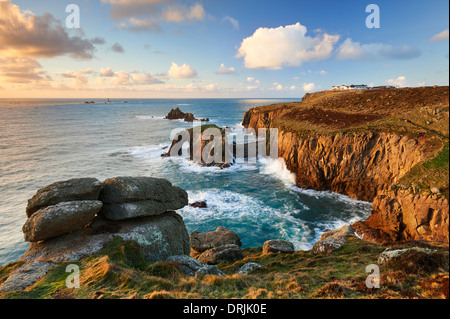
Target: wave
<point x="149" y="152"/>
<point x="278" y="169"/>
<point x="249" y="217"/>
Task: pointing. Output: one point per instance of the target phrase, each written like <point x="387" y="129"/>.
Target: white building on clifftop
<point x="350" y="87"/>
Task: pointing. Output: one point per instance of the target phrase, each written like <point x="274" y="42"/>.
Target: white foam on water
<point x="278" y="169"/>
<point x="149" y="152"/>
<point x="233" y="207"/>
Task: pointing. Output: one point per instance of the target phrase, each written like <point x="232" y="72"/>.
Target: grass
<point x="118" y="271"/>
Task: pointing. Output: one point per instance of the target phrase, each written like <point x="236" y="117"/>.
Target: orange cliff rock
<point x="360" y="143"/>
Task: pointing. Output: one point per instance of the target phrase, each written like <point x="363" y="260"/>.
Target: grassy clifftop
<point x="120" y="271"/>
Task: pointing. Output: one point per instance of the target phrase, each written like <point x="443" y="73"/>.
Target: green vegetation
<point x="119" y="271"/>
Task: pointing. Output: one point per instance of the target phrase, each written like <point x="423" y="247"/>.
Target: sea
<point x="47" y="140"/>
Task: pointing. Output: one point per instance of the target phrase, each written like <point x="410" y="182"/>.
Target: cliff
<point x="360" y="143"/>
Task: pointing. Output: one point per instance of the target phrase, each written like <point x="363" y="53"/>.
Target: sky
<point x="217" y="49"/>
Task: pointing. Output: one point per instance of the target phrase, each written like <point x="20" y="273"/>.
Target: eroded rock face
<point x="354" y="164"/>
<point x="404" y="215"/>
<point x="131" y="197"/>
<point x="159" y="237"/>
<point x="65" y="191"/>
<point x="59" y="219"/>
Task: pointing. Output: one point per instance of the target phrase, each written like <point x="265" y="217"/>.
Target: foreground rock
<point x="217" y="246"/>
<point x="200" y="242"/>
<point x="402" y="214"/>
<point x="193" y="267"/>
<point x="221" y="254"/>
<point x="277" y="246"/>
<point x="131" y="197"/>
<point x="389" y="254"/>
<point x="158" y="236"/>
<point x="59" y="219"/>
<point x="332" y="240"/>
<point x="248" y="267"/>
<point x="26" y="276"/>
<point x="65" y="191"/>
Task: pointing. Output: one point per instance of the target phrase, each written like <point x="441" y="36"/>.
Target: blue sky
<point x="212" y="48"/>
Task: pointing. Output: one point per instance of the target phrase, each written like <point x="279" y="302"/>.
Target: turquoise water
<point x="43" y="141"/>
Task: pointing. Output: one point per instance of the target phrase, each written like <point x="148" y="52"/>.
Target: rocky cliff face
<point x="403" y="214"/>
<point x="354" y="164"/>
<point x="351" y="152"/>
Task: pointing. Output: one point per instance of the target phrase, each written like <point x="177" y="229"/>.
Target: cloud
<point x="21" y="70"/>
<point x="234" y="22"/>
<point x="223" y="70"/>
<point x="308" y="87"/>
<point x="24" y="34"/>
<point x="182" y="72"/>
<point x="350" y="50"/>
<point x="140" y="25"/>
<point x="118" y="48"/>
<point x="440" y="36"/>
<point x="181" y="13"/>
<point x="278" y="87"/>
<point x="78" y="77"/>
<point x="106" y="72"/>
<point x="275" y="48"/>
<point x="399" y="82"/>
<point x="98" y="40"/>
<point x="123" y="78"/>
<point x="145" y="15"/>
<point x="253" y="80"/>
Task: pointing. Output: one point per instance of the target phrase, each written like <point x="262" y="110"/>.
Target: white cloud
<point x="181" y="13"/>
<point x="440" y="36"/>
<point x="278" y="87"/>
<point x="107" y="72"/>
<point x="253" y="80"/>
<point x="182" y="72"/>
<point x="292" y="88"/>
<point x="399" y="82"/>
<point x="234" y="22"/>
<point x="223" y="70"/>
<point x="308" y="87"/>
<point x="350" y="50"/>
<point x="275" y="48"/>
<point x="323" y="72"/>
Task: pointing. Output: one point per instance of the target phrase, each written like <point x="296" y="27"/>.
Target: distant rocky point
<point x="177" y="114"/>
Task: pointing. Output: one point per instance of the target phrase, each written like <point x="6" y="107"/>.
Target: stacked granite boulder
<point x="73" y="219"/>
<point x="61" y="208"/>
<point x="214" y="247"/>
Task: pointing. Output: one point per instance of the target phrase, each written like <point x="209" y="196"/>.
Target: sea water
<point x="47" y="140"/>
